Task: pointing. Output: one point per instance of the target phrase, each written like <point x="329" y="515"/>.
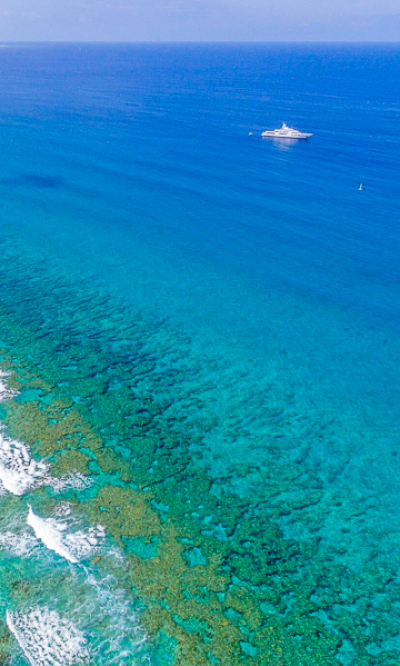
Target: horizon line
<point x="200" y="42"/>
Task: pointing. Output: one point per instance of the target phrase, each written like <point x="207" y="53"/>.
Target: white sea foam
<point x="63" y="510"/>
<point x="73" y="547"/>
<point x="6" y="393"/>
<point x="19" y="472"/>
<point x="124" y="639"/>
<point x="21" y="545"/>
<point x="46" y="639"/>
<point x="75" y="481"/>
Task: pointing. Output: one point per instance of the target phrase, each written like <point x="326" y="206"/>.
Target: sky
<point x="199" y="20"/>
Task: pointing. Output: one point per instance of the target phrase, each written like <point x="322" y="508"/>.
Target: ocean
<point x="200" y="355"/>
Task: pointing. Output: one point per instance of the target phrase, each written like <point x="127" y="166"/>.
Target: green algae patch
<point x="124" y="513"/>
<point x="6" y="642"/>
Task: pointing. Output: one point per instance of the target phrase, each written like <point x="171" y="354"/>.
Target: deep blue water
<point x="129" y="171"/>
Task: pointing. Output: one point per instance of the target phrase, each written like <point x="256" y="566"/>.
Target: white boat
<point x="285" y="132"/>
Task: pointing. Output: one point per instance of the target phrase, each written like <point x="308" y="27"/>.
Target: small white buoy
<point x="250" y="133"/>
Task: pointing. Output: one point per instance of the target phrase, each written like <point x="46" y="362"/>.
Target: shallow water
<point x="199" y="459"/>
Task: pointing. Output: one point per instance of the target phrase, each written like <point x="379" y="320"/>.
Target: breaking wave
<point x="109" y="627"/>
<point x="6" y="393"/>
<point x="46" y="639"/>
<point x="19" y="472"/>
<point x="73" y="547"/>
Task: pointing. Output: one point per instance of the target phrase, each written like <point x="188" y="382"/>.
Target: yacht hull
<point x="271" y="135"/>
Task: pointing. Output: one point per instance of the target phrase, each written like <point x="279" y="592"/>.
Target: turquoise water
<point x="201" y="334"/>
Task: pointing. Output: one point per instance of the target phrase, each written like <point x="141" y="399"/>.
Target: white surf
<point x="6" y="393"/>
<point x="46" y="639"/>
<point x="19" y="472"/>
<point x="73" y="547"/>
<point x="21" y="545"/>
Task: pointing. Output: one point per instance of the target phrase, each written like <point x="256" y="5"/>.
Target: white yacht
<point x="285" y="132"/>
